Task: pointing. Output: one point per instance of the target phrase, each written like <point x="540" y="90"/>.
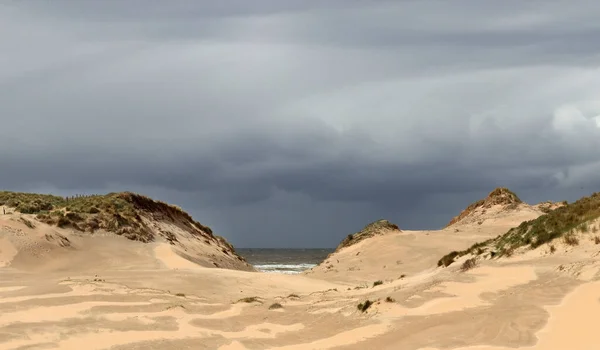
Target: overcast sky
<point x="294" y="123"/>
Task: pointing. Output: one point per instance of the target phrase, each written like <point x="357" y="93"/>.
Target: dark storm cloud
<point x="295" y="123"/>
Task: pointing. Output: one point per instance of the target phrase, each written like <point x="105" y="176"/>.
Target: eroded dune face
<point x="75" y="290"/>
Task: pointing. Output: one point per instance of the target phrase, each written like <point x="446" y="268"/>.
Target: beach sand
<point x="106" y="292"/>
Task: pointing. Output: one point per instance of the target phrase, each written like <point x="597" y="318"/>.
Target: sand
<point x="105" y="292"/>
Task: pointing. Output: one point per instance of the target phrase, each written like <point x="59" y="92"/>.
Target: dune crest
<point x="44" y="227"/>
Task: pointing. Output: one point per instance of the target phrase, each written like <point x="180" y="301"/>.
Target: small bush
<point x="597" y="240"/>
<point x="293" y="296"/>
<point x="552" y="249"/>
<point x="377" y="283"/>
<point x="571" y="239"/>
<point x="468" y="264"/>
<point x="365" y="306"/>
<point x="275" y="306"/>
<point x="75" y="217"/>
<point x="389" y="300"/>
<point x="180" y="295"/>
<point x="448" y="259"/>
<point x="63" y="222"/>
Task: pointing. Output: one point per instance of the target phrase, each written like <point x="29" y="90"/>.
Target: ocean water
<point x="288" y="261"/>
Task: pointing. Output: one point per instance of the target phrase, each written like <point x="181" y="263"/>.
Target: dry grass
<point x="571" y="239"/>
<point x="275" y="306"/>
<point x="365" y="306"/>
<point x="469" y="264"/>
<point x="250" y="300"/>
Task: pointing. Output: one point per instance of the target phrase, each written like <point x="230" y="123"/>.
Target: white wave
<point x="290" y="269"/>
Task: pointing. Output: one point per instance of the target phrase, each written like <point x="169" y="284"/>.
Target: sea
<point x="287" y="261"/>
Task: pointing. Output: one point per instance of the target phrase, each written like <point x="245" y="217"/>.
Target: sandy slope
<point x="106" y="292"/>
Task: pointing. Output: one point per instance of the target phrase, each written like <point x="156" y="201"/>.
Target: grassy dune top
<point x="114" y="212"/>
<point x="561" y="222"/>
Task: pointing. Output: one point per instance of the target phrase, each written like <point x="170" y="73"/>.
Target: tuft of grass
<point x="571" y="239"/>
<point x="249" y="300"/>
<point x="468" y="264"/>
<point x="552" y="249"/>
<point x="597" y="240"/>
<point x="448" y="259"/>
<point x="377" y="283"/>
<point x="365" y="306"/>
<point x="275" y="306"/>
<point x="389" y="300"/>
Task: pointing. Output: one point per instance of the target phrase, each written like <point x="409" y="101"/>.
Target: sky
<point x="294" y="123"/>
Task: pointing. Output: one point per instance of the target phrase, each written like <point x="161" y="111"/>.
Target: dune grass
<point x="560" y="222"/>
<point x="119" y="213"/>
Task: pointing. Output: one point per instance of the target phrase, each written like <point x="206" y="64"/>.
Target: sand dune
<point x="107" y="292"/>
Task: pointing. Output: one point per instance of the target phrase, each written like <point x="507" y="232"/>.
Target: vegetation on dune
<point x="499" y="196"/>
<point x="364" y="306"/>
<point x="249" y="300"/>
<point x="370" y="230"/>
<point x="119" y="213"/>
<point x="468" y="264"/>
<point x="275" y="306"/>
<point x="561" y="222"/>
